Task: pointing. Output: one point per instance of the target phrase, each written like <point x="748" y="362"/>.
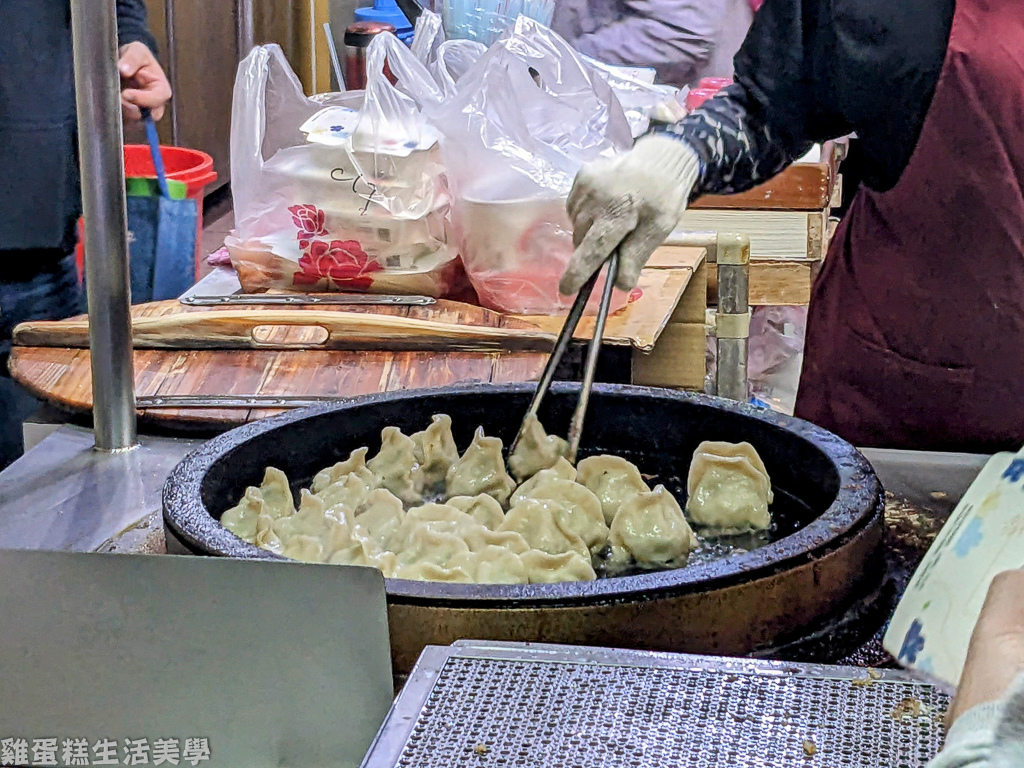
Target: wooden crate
<point x="678" y="360"/>
<point x="812" y="188"/>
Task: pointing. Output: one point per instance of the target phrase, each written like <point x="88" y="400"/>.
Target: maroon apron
<point x="915" y="335"/>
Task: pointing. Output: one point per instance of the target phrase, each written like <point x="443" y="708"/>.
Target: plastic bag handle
<point x="154" y="150"/>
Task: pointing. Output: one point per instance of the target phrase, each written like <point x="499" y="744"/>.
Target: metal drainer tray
<point x="508" y="705"/>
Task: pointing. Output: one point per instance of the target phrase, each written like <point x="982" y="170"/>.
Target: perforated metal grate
<point x="507" y="713"/>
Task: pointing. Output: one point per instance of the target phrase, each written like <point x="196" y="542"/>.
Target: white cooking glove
<point x="631" y="202"/>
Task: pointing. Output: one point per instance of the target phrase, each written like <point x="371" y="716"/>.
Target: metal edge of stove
<point x="399" y="725"/>
<point x="387" y="745"/>
<point x="621" y="657"/>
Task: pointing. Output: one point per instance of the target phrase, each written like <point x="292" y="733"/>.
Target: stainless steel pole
<point x="732" y="320"/>
<point x="730" y="254"/>
<point x="246" y="22"/>
<point x="101" y="153"/>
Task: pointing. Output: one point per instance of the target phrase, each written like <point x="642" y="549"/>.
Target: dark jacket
<point x="811" y="70"/>
<point x="39" y="184"/>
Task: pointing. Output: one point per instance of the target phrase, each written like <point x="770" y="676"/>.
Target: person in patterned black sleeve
<point x="39" y="184"/>
<point x="915" y="334"/>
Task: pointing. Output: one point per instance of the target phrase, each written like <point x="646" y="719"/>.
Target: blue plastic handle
<point x="154" y="149"/>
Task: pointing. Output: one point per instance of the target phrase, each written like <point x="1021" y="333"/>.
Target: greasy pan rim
<point x="857" y="504"/>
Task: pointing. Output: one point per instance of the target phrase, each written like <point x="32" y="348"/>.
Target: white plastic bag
<point x="524" y="119"/>
<point x="343" y="191"/>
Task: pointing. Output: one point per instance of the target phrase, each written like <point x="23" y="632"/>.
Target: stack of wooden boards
<point x="787" y="221"/>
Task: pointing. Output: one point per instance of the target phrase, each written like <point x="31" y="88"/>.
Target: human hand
<point x="631" y="202"/>
<point x="143" y="82"/>
<point x="996" y="654"/>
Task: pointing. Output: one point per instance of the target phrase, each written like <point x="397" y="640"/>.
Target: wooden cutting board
<point x="61" y="374"/>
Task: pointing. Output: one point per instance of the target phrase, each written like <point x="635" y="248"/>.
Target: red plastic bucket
<point x="190" y="166"/>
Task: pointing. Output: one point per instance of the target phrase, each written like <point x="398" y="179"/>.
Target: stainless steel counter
<point x="65" y="495"/>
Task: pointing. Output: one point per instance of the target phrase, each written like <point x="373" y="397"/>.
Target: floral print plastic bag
<point x="340" y="192"/>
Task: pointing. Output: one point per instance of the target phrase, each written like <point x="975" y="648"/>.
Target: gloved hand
<point x="631" y="202"/>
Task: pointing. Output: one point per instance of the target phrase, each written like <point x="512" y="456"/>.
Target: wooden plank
<point x="801" y="187"/>
<point x="63" y="376"/>
<point x="677" y="361"/>
<point x="773" y="283"/>
<point x="238" y="329"/>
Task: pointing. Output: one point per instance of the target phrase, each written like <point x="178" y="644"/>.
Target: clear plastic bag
<point x="447" y="60"/>
<point x="341" y="192"/>
<point x="453" y="59"/>
<point x="428" y="36"/>
<point x="523" y="120"/>
<point x="641" y="99"/>
<point x="774" y="356"/>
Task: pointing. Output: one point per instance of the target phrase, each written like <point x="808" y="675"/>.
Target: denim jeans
<point x="50" y="294"/>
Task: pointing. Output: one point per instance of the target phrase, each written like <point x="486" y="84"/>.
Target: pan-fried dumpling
<point x="396" y="468"/>
<point x="544" y="568"/>
<point x="480" y="538"/>
<point x="541" y="522"/>
<point x="431" y="572"/>
<point x="425" y="545"/>
<point x="348" y="492"/>
<point x="650" y="529"/>
<point x="355" y="462"/>
<point x="560" y="470"/>
<point x="612" y="479"/>
<point x="386" y="561"/>
<point x="308" y="549"/>
<point x="581" y="511"/>
<point x="336" y="536"/>
<point x="277" y="494"/>
<point x="265" y="536"/>
<point x="481" y="470"/>
<point x="359" y="549"/>
<point x="241" y="519"/>
<point x="483" y="508"/>
<point x="536" y="450"/>
<point x="493" y="565"/>
<point x="379" y="519"/>
<point x="729" y="488"/>
<point x="308" y="521"/>
<point x="435" y="450"/>
<point x="440" y="518"/>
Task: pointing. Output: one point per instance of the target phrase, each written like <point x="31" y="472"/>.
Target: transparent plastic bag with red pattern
<point x="524" y="118"/>
<point x="341" y="191"/>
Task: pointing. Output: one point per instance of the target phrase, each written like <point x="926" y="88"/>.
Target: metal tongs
<point x="564" y="338"/>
